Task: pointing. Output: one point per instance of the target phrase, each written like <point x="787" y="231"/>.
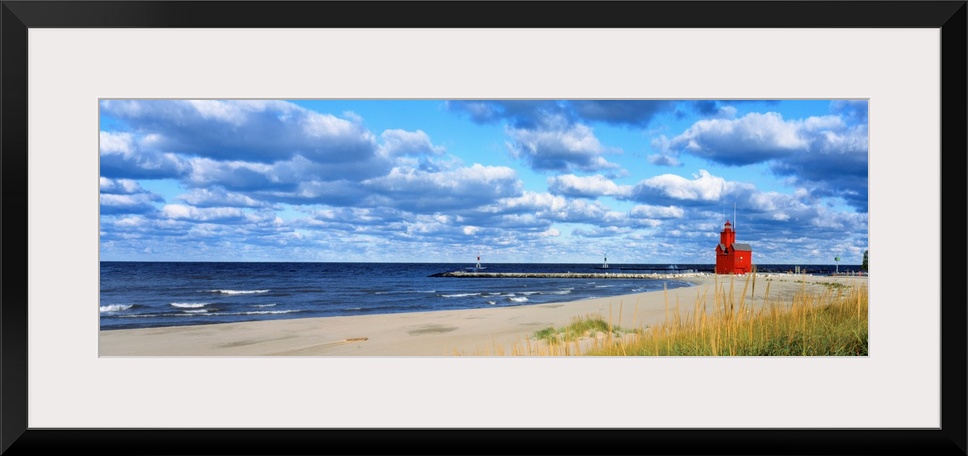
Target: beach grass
<point x="830" y="322"/>
<point x="593" y="325"/>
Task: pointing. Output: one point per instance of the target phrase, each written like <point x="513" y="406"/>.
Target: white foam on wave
<point x="184" y="313"/>
<point x="190" y="305"/>
<point x="459" y="295"/>
<point x="235" y="292"/>
<point x="206" y="313"/>
<point x="263" y="312"/>
<point x="116" y="307"/>
<point x="518" y="298"/>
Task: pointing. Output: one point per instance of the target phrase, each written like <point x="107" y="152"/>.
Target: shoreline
<point x="465" y="332"/>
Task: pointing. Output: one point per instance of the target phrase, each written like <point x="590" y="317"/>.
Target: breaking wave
<point x="116" y="307"/>
<point x="190" y="305"/>
<point x="236" y="292"/>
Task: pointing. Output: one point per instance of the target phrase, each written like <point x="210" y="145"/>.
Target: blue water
<point x="157" y="294"/>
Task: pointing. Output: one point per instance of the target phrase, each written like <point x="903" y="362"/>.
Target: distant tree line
<point x="863" y="266"/>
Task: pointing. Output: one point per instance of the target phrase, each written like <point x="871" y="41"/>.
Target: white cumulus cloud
<point x="589" y="186"/>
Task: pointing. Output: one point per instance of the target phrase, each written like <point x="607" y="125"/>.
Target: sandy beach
<point x="477" y="332"/>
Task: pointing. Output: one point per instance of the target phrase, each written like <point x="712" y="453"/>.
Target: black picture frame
<point x="19" y="16"/>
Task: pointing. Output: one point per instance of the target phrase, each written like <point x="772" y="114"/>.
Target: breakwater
<point x="567" y="275"/>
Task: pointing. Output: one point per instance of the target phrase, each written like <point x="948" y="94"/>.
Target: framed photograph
<point x="89" y="87"/>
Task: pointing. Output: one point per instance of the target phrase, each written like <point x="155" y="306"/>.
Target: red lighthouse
<point x="731" y="257"/>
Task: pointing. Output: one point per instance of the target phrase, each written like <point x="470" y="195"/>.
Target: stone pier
<point x="567" y="275"/>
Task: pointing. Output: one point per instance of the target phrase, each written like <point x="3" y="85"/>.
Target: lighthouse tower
<point x="732" y="257"/>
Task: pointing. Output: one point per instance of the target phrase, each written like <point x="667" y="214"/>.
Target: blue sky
<point x="641" y="181"/>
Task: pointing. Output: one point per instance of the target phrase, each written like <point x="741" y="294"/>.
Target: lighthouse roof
<point x="736" y="246"/>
